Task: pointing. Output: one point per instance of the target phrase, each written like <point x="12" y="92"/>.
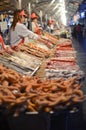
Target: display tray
<point x="39" y="44"/>
<point x="22" y="63"/>
<point x="30" y="121"/>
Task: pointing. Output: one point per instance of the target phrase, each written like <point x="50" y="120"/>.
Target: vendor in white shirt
<point x="36" y="28"/>
<point x="51" y="26"/>
<point x="4" y="48"/>
<point x="19" y="32"/>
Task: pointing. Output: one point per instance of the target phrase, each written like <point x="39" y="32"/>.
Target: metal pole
<point x="29" y="11"/>
<point x="41" y="14"/>
<point x="29" y="8"/>
<point x="19" y="4"/>
<point x="46" y="18"/>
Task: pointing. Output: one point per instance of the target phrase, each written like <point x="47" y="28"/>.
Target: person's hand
<point x="40" y="39"/>
<point x="9" y="50"/>
<point x="15" y="48"/>
<point x="2" y="51"/>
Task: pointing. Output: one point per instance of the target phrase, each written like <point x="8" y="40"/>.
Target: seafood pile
<point x="51" y="37"/>
<point x="19" y="93"/>
<point x="64" y="62"/>
<point x="59" y="89"/>
<point x="35" y="50"/>
<point x="48" y="42"/>
<point x="38" y="44"/>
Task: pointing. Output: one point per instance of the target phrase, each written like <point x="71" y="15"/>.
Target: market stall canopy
<point x="6" y="5"/>
<point x="53" y="8"/>
<point x="47" y="6"/>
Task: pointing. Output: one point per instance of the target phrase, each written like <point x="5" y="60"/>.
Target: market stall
<point x="39" y="80"/>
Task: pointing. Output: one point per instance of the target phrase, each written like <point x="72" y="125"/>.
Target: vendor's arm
<point x="25" y="32"/>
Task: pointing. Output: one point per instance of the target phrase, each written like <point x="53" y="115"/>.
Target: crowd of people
<point x="78" y="31"/>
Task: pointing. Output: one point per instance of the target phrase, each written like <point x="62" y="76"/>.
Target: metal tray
<point x="22" y="69"/>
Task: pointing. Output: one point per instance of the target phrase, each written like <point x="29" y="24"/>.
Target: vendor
<point x="51" y="26"/>
<point x="3" y="47"/>
<point x="36" y="28"/>
<point x="19" y="32"/>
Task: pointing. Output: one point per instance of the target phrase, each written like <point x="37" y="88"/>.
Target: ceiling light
<point x="52" y="2"/>
<point x="61" y="1"/>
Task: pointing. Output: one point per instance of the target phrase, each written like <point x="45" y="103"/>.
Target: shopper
<point x="79" y="33"/>
<point x="36" y="28"/>
<point x="19" y="34"/>
<point x="78" y="29"/>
